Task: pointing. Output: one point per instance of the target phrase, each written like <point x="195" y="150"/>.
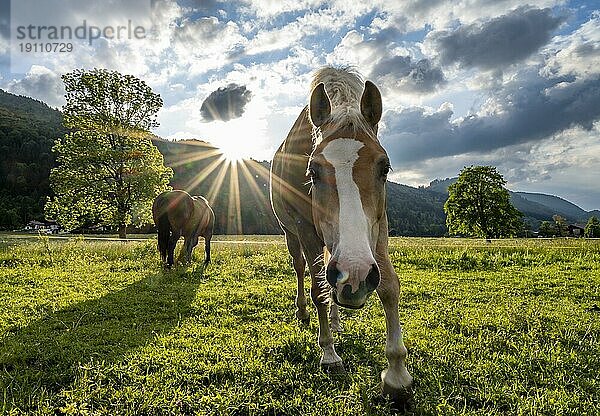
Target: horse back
<point x="177" y="205"/>
<point x="204" y="216"/>
<point x="289" y="188"/>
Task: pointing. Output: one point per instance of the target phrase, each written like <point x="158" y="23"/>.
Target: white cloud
<point x="206" y="43"/>
<point x="577" y="53"/>
<point x="267" y="9"/>
<point x="40" y="83"/>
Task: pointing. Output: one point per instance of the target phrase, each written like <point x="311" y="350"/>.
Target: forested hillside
<point x="27" y="131"/>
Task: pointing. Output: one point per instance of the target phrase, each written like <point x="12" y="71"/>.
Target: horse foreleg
<point x="293" y="245"/>
<point x="396" y="381"/>
<point x="334" y="317"/>
<point x="319" y="293"/>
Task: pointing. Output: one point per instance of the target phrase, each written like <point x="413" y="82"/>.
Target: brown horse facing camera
<point x="338" y="224"/>
<point x="177" y="214"/>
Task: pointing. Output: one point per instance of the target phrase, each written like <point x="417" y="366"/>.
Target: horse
<point x="176" y="213"/>
<point x="327" y="189"/>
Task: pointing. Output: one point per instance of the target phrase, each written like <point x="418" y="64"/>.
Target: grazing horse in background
<point x="176" y="213"/>
<point x="339" y="224"/>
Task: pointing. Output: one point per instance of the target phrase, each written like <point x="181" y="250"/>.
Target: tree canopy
<point x="548" y="229"/>
<point x="108" y="169"/>
<point x="479" y="205"/>
<point x="592" y="228"/>
<point x="561" y="225"/>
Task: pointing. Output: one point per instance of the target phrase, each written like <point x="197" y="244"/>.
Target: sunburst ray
<point x="234" y="211"/>
<point x="205" y="172"/>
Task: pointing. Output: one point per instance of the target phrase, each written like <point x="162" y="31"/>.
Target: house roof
<point x="34" y="222"/>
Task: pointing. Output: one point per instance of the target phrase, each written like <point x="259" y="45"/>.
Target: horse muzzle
<point x="351" y="291"/>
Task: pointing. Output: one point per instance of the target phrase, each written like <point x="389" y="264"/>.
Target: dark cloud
<point x="226" y="103"/>
<point x="528" y="109"/>
<point x="499" y="42"/>
<point x="409" y="75"/>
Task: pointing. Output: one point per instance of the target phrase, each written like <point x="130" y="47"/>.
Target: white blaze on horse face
<point x="353" y="248"/>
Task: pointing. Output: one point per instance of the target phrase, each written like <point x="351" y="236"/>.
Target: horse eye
<point x="312" y="173"/>
<point x="385" y="170"/>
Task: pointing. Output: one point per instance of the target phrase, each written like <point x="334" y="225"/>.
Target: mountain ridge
<point x="28" y="128"/>
<point x="535" y="206"/>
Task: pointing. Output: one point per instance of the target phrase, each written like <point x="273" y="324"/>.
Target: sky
<point x="463" y="82"/>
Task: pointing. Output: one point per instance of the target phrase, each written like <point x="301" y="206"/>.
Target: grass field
<point x="98" y="328"/>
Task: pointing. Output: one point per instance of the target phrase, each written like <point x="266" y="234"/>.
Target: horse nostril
<point x="372" y="279"/>
<point x="333" y="274"/>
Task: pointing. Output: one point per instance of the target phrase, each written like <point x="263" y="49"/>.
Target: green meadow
<point x="99" y="328"/>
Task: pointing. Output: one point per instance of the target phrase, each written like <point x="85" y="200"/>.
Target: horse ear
<point x="320" y="107"/>
<point x="370" y="104"/>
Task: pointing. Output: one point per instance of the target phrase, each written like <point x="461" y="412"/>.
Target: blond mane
<point x="344" y="87"/>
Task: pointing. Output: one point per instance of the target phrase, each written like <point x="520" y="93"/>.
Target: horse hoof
<point x="333" y="368"/>
<point x="303" y="317"/>
<point x="401" y="399"/>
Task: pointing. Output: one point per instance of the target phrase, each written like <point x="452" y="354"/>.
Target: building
<point x="48" y="227"/>
<point x="576" y="230"/>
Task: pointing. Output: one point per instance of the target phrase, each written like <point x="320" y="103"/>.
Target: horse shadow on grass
<point x="43" y="358"/>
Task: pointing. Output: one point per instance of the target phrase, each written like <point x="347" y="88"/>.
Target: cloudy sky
<point x="463" y="82"/>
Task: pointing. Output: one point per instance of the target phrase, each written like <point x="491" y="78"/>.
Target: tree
<point x="108" y="169"/>
<point x="479" y="205"/>
<point x="548" y="229"/>
<point x="592" y="228"/>
<point x="561" y="226"/>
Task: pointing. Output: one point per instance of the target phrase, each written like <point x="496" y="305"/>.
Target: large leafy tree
<point x="479" y="205"/>
<point x="592" y="228"/>
<point x="108" y="170"/>
<point x="548" y="229"/>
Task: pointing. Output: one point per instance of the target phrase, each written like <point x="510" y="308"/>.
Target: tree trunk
<point x="122" y="231"/>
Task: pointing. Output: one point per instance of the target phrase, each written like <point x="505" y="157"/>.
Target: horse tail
<point x="164" y="233"/>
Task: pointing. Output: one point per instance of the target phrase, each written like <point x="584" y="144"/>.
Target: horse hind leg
<point x="171" y="249"/>
<point x="299" y="264"/>
<point x="334" y="310"/>
<point x="207" y="249"/>
<point x="164" y="231"/>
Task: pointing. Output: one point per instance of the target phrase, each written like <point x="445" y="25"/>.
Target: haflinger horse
<point x="177" y="214"/>
<point x="328" y="193"/>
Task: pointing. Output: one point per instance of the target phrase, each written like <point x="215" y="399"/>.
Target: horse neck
<point x="300" y="140"/>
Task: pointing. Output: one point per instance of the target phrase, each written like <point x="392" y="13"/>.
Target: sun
<point x="232" y="151"/>
<point x="237" y="139"/>
<point x="243" y="137"/>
